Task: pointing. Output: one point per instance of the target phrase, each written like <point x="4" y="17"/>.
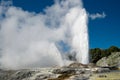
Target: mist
<point x="29" y="39"/>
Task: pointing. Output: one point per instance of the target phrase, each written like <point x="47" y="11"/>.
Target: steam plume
<point x="29" y="39"/>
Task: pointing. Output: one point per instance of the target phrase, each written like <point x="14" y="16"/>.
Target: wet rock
<point x="24" y="74"/>
<point x="100" y="70"/>
<point x="78" y="65"/>
<point x="43" y="76"/>
<point x="64" y="71"/>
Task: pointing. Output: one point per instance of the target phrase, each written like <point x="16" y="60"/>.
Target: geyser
<point x="29" y="39"/>
<point x="80" y="36"/>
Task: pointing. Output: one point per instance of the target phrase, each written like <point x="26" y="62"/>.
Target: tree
<point x="113" y="49"/>
<point x="97" y="53"/>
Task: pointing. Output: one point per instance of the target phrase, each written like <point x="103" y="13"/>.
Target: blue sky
<point x="103" y="33"/>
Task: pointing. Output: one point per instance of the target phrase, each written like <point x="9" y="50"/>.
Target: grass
<point x="106" y="76"/>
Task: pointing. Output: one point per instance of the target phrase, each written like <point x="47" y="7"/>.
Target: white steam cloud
<point x="29" y="39"/>
<point x="97" y="15"/>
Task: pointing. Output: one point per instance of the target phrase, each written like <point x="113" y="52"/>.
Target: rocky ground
<point x="74" y="71"/>
<point x="107" y="68"/>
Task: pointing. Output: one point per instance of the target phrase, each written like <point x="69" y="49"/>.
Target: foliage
<point x="98" y="53"/>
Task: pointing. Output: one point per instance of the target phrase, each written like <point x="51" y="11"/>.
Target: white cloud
<point x="97" y="15"/>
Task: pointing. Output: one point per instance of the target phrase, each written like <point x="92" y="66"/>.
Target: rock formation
<point x="112" y="60"/>
<point x="75" y="71"/>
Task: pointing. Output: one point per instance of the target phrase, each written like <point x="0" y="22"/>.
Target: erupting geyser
<point x="29" y="39"/>
<point x="80" y="36"/>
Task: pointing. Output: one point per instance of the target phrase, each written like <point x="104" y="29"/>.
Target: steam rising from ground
<point x="29" y="39"/>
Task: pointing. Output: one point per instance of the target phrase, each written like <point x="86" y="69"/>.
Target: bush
<point x="97" y="53"/>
